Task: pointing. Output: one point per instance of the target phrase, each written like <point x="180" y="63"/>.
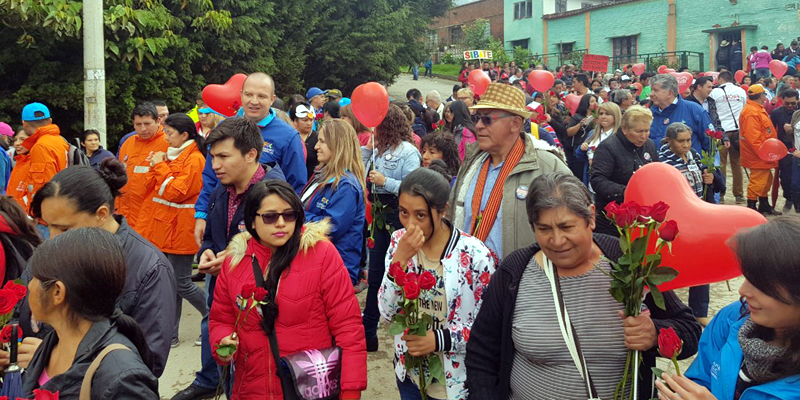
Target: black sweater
<point x="490" y="350"/>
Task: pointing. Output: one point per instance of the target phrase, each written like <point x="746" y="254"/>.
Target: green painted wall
<point x="645" y="19"/>
<point x="530" y="28"/>
<point x="568" y="29"/>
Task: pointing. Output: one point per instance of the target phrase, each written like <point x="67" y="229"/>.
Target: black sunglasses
<point x="272" y="217"/>
<point x="488" y="118"/>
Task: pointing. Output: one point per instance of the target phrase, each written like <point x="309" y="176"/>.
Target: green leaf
<point x="658" y="298"/>
<point x="662" y="275"/>
<point x="396" y="328"/>
<point x="435" y="368"/>
<point x="657" y="372"/>
<point x="623" y="244"/>
<point x="617" y="294"/>
<point x="639" y="249"/>
<point x="226" y="350"/>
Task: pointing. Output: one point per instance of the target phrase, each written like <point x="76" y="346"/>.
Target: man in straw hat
<point x="488" y="199"/>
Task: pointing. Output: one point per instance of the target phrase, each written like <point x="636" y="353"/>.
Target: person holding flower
<point x="609" y="119"/>
<point x="314" y="307"/>
<point x="392" y="157"/>
<point x="461" y="266"/>
<point x="579" y="125"/>
<point x="336" y="191"/>
<point x="86" y="321"/>
<point x="750" y="349"/>
<point x="517" y="351"/>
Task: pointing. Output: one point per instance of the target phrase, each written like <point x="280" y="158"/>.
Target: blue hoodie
<point x="5" y="170"/>
<point x="719" y="358"/>
<point x="688" y="112"/>
<point x="345" y="208"/>
<point x="282" y="145"/>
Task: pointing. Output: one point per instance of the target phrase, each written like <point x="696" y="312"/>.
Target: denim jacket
<point x="394" y="164"/>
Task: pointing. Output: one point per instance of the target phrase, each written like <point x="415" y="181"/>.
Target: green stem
<point x="423" y="384"/>
<point x="677" y="367"/>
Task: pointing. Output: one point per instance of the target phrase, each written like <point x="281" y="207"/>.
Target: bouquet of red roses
<point x="11" y="294"/>
<point x="250" y="298"/>
<point x="38" y="394"/>
<point x="639" y="267"/>
<point x="411" y="321"/>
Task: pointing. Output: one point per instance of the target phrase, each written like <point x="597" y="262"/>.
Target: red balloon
<point x="772" y="150"/>
<point x="712" y="74"/>
<point x="541" y="80"/>
<point x="670" y="70"/>
<point x="739" y="75"/>
<point x="638" y="86"/>
<point x="572" y="101"/>
<point x="663" y="69"/>
<point x="639" y="69"/>
<point x="478" y="81"/>
<point x="225" y="99"/>
<point x="700" y="253"/>
<point x="370" y="103"/>
<point x="684" y="81"/>
<point x="778" y="68"/>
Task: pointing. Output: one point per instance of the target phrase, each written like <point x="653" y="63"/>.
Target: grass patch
<point x="445" y="69"/>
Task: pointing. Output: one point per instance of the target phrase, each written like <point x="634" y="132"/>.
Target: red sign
<point x="596" y="63"/>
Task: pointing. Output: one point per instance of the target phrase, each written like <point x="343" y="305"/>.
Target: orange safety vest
<point x="755" y="127"/>
<point x="47" y="156"/>
<point x="135" y="154"/>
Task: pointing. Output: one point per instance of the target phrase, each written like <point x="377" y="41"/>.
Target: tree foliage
<point x="170" y="49"/>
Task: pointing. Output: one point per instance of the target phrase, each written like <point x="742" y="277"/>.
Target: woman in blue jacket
<point x="751" y="350"/>
<point x="336" y="191"/>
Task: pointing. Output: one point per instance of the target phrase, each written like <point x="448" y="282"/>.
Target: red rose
<point x="668" y="231"/>
<point x="612" y="209"/>
<point x="669" y="344"/>
<point x="260" y="294"/>
<point x="396" y="272"/>
<point x="371" y="243"/>
<point x="19" y="290"/>
<point x="8" y="300"/>
<point x="39" y="394"/>
<point x="412" y="277"/>
<point x="659" y="211"/>
<point x="427" y="281"/>
<point x="644" y="214"/>
<point x="484" y="278"/>
<point x="5" y="334"/>
<point x="248" y="290"/>
<point x="465" y="260"/>
<point x="465" y="332"/>
<point x="627" y="215"/>
<point x="411" y="290"/>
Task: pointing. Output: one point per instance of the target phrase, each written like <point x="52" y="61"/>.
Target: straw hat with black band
<point x="499" y="96"/>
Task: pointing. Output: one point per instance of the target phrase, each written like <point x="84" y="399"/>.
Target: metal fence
<point x="693" y="60"/>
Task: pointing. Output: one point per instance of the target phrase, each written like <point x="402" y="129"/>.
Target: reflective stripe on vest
<point x="171" y="204"/>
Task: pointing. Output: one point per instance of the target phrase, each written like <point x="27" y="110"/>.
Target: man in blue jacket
<point x="235" y="148"/>
<point x="282" y="143"/>
<point x="669" y="107"/>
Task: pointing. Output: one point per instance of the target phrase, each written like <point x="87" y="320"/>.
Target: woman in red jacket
<point x="314" y="307"/>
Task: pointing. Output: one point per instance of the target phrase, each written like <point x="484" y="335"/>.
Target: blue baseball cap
<point x="314" y="91"/>
<point x="29" y="112"/>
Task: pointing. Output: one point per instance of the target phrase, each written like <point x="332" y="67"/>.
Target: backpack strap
<point x="86" y="386"/>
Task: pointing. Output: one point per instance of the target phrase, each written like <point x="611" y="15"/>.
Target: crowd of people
<point x="494" y="196"/>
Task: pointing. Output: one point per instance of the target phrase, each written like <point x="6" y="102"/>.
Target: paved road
<point x="185" y="359"/>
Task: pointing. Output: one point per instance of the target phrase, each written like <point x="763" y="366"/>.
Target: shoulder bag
<point x="735" y="137"/>
<point x="86" y="385"/>
<point x="313" y="374"/>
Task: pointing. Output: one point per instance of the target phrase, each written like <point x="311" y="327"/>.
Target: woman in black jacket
<point x="74" y="290"/>
<point x="579" y="125"/>
<point x="617" y="158"/>
<point x="516" y="349"/>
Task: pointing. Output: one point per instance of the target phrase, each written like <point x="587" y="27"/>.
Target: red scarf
<point x="482" y="224"/>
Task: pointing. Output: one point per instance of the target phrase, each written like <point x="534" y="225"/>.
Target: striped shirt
<point x="692" y="168"/>
<point x="543" y="368"/>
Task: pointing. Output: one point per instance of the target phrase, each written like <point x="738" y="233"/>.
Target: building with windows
<point x="686" y="32"/>
<point x="449" y="28"/>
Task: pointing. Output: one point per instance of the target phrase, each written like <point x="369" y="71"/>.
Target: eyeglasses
<point x="272" y="217"/>
<point x="488" y="118"/>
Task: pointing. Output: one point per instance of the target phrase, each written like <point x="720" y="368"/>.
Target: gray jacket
<point x="122" y="374"/>
<point x="148" y="296"/>
<point x="539" y="159"/>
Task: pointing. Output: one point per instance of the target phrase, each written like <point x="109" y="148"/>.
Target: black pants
<point x="785" y="170"/>
<point x="377" y="266"/>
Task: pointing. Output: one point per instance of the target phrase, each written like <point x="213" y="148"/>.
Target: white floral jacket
<point x="467" y="267"/>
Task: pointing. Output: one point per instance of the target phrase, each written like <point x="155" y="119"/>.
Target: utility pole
<point x="94" y="70"/>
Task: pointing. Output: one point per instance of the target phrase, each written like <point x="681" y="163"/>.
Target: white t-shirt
<point x="737" y="97"/>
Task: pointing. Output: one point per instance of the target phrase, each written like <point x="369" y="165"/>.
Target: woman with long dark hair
<point x="441" y="146"/>
<point x="751" y="349"/>
<point x="392" y="159"/>
<point x="82" y="196"/>
<point x="174" y="181"/>
<point x="462" y="266"/>
<point x="74" y="290"/>
<point x="579" y="126"/>
<point x="310" y="299"/>
<point x="462" y="127"/>
<point x="18" y="239"/>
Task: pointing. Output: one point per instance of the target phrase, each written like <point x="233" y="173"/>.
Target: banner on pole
<point x="595" y="63"/>
<point x="477" y="55"/>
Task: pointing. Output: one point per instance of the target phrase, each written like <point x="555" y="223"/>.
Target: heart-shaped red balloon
<point x="478" y="81"/>
<point x="541" y="80"/>
<point x="778" y="68"/>
<point x="225" y="99"/>
<point x="745" y="87"/>
<point x="663" y="69"/>
<point x="712" y="74"/>
<point x="772" y="150"/>
<point x="739" y="75"/>
<point x="700" y="253"/>
<point x="638" y="86"/>
<point x="370" y="103"/>
<point x="572" y="101"/>
<point x="684" y="81"/>
<point x="638" y="69"/>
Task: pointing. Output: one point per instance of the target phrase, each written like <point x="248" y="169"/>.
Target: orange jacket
<point x="135" y="154"/>
<point x="167" y="216"/>
<point x="47" y="156"/>
<point x="754" y="128"/>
